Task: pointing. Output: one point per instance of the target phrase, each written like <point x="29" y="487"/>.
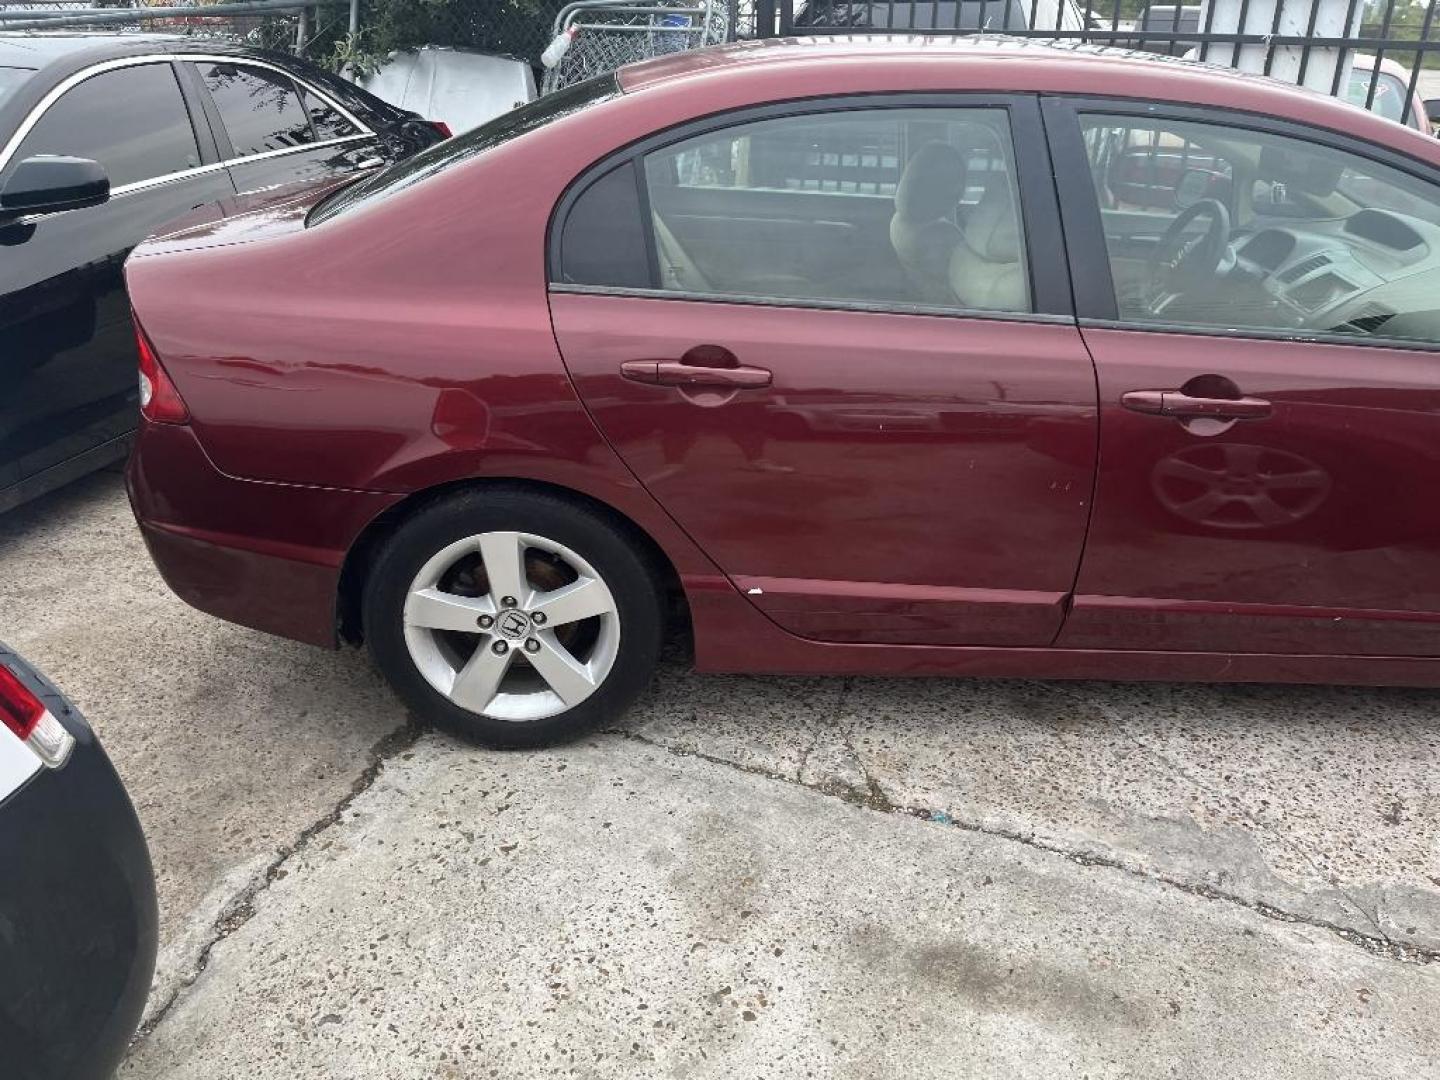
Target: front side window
<point x="132" y="120"/>
<point x="261" y="109"/>
<point x="1211" y="225"/>
<point x="893" y="207"/>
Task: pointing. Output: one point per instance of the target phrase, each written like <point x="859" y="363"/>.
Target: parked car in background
<point x="103" y="139"/>
<point x="839" y="401"/>
<point x="77" y="895"/>
<point x="1392" y="86"/>
<point x="460" y="87"/>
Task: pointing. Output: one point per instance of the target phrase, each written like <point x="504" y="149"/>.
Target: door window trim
<point x="1049" y="279"/>
<point x="1095" y="299"/>
<point x="173" y="59"/>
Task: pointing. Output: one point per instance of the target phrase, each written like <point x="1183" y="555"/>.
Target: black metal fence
<point x="1375" y="54"/>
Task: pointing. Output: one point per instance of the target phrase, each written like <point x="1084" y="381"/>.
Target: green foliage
<point x="520" y="28"/>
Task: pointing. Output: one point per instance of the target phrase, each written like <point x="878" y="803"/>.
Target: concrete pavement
<point x="770" y="877"/>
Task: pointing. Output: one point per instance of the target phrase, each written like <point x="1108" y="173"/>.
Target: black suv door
<point x="67" y="365"/>
<point x="272" y="129"/>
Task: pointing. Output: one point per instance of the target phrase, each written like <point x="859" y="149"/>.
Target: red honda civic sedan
<point x="899" y="356"/>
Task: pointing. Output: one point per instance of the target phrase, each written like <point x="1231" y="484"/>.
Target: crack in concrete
<point x="1376" y="946"/>
<point x="241" y="907"/>
<point x="814" y="742"/>
<point x="1260" y="826"/>
<point x="1179" y="770"/>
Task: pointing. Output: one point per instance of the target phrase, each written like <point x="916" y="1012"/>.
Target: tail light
<point x="25" y="714"/>
<point x="442" y="127"/>
<point x="160" y="402"/>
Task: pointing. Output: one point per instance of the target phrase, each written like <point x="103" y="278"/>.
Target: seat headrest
<point x="932" y="183"/>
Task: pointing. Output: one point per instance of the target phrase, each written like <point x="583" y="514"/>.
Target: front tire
<point x="513" y="618"/>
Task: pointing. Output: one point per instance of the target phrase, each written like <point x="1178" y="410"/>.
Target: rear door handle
<point x="1178" y="403"/>
<point x="678" y="373"/>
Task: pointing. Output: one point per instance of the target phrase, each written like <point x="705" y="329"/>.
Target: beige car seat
<point x="978" y="266"/>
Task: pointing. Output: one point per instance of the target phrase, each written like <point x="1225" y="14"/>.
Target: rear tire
<point x="513" y="618"/>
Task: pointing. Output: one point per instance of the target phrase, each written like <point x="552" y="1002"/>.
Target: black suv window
<point x="131" y="120"/>
<point x="261" y="109"/>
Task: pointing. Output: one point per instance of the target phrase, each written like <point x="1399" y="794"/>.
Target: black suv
<point x="104" y="139"/>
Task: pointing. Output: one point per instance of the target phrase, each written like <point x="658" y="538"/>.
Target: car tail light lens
<point x="160" y="402"/>
<point x="25" y="714"/>
<point x="442" y="127"/>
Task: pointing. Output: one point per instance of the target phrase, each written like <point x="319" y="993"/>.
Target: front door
<point x="1269" y="388"/>
<point x="823" y="347"/>
<point x="67" y="367"/>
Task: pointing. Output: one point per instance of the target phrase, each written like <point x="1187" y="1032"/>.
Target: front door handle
<point x="1178" y="403"/>
<point x="679" y="373"/>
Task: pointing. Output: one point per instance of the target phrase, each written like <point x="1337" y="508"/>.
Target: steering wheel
<point x="1179" y="262"/>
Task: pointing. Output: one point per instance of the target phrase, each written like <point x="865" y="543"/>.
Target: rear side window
<point x="603" y="240"/>
<point x="328" y="123"/>
<point x="895" y="207"/>
<point x="261" y="109"/>
<point x="131" y="120"/>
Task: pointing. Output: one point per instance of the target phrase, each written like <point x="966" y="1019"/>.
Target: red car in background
<point x="802" y="342"/>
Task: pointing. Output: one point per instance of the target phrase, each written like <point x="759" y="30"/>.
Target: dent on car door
<point x="274" y="130"/>
<point x="67" y="372"/>
<point x="836" y="369"/>
<point x="1269" y="391"/>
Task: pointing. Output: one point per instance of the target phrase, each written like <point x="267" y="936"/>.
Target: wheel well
<point x="361" y="557"/>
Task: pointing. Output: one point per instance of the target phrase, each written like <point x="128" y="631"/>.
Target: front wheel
<point x="512" y="618"/>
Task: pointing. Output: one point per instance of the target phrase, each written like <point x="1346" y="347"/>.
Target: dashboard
<point x="1348" y="275"/>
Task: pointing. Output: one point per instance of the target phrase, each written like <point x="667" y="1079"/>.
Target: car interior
<point x="901" y="207"/>
<point x="1210" y="225"/>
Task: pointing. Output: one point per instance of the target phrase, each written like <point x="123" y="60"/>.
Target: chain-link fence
<point x="592" y="37"/>
<point x="290" y="25"/>
<point x="519" y="28"/>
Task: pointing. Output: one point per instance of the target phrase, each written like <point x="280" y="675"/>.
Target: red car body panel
<point x="838" y="497"/>
<point x="1186" y="548"/>
<point x="337" y="373"/>
<point x="261" y="554"/>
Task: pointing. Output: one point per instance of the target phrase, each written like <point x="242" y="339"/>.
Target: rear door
<point x="1269" y="430"/>
<point x="874" y="449"/>
<point x="67" y="364"/>
<point x="273" y="129"/>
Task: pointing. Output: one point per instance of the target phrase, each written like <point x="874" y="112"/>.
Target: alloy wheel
<point x="511" y="625"/>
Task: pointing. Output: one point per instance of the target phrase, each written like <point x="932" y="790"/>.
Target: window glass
<point x="11" y="79"/>
<point x="131" y="120"/>
<point x="261" y="109"/>
<point x="1209" y="225"/>
<point x="603" y="242"/>
<point x="1389" y="92"/>
<point x="329" y="124"/>
<point x="897" y="207"/>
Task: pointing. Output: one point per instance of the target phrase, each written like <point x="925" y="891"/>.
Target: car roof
<point x="940" y="49"/>
<point x="41" y="48"/>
